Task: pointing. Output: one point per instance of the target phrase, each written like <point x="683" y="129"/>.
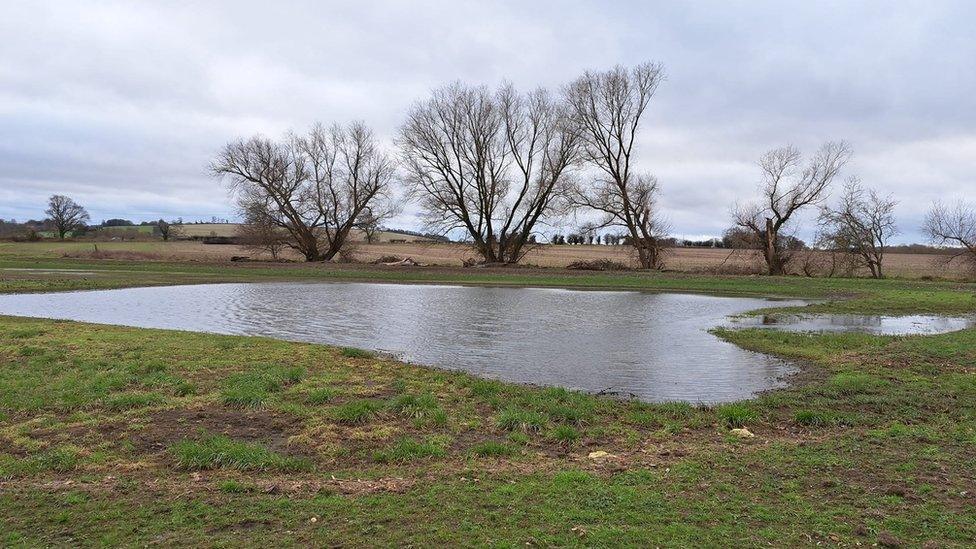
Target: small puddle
<point x="870" y="324"/>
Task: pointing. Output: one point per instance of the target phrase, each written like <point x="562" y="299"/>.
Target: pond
<point x="652" y="346"/>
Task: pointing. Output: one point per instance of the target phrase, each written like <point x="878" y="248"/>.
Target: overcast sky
<point x="122" y="105"/>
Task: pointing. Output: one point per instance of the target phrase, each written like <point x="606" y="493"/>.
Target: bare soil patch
<point x="258" y="426"/>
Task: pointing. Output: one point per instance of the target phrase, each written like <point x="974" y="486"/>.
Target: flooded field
<point x="653" y="346"/>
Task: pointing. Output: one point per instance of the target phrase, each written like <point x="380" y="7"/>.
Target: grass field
<point x="689" y="260"/>
<point x="113" y="435"/>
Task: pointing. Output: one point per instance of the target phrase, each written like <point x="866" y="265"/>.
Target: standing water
<point x="654" y="346"/>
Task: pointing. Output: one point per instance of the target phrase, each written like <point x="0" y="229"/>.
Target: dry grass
<point x="698" y="260"/>
<point x="705" y="260"/>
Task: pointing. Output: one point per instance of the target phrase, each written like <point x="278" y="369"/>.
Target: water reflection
<point x="655" y="346"/>
<point x="872" y="324"/>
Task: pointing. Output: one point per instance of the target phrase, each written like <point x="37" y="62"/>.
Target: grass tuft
<point x="735" y="415"/>
<point x="517" y="419"/>
<point x="60" y="459"/>
<point x="812" y="418"/>
<point x="352" y="352"/>
<point x="252" y="389"/>
<point x="565" y="434"/>
<point x="848" y="384"/>
<point x="232" y="486"/>
<point x="409" y="449"/>
<point x="423" y="408"/>
<point x="356" y="411"/>
<point x="320" y="395"/>
<point x="127" y="401"/>
<point x="217" y="452"/>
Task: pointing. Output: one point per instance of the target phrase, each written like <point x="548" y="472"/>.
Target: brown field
<point x="703" y="260"/>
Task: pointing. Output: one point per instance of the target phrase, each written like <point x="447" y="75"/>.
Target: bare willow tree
<point x="607" y="108"/>
<point x="863" y="222"/>
<point x="788" y="187"/>
<point x="313" y="187"/>
<point x="493" y="164"/>
<point x="954" y="227"/>
<point x="66" y="215"/>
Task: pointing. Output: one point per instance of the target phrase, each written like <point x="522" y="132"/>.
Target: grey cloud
<point x="122" y="104"/>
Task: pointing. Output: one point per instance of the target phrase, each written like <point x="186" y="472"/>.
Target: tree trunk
<point x="773" y="260"/>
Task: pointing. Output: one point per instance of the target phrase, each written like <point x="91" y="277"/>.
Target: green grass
<point x="121" y="436"/>
<point x="423" y="409"/>
<point x="409" y="449"/>
<point x="220" y="452"/>
<point x="812" y="418"/>
<point x="736" y="414"/>
<point x="357" y="411"/>
<point x="254" y="388"/>
<point x="61" y="459"/>
<point x="515" y="419"/>
<point x="125" y="401"/>
<point x="565" y="434"/>
<point x="352" y="352"/>
<point x="321" y="395"/>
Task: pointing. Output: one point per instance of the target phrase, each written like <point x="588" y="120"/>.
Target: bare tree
<point x="607" y="108"/>
<point x="370" y="224"/>
<point x="65" y="214"/>
<point x="786" y="189"/>
<point x="491" y="164"/>
<point x="863" y="222"/>
<point x="831" y="255"/>
<point x="169" y="230"/>
<point x="314" y="187"/>
<point x="260" y="234"/>
<point x="953" y="226"/>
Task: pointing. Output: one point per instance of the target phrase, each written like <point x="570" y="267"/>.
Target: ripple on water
<point x="655" y="346"/>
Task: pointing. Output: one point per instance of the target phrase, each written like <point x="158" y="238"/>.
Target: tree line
<point x="498" y="165"/>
